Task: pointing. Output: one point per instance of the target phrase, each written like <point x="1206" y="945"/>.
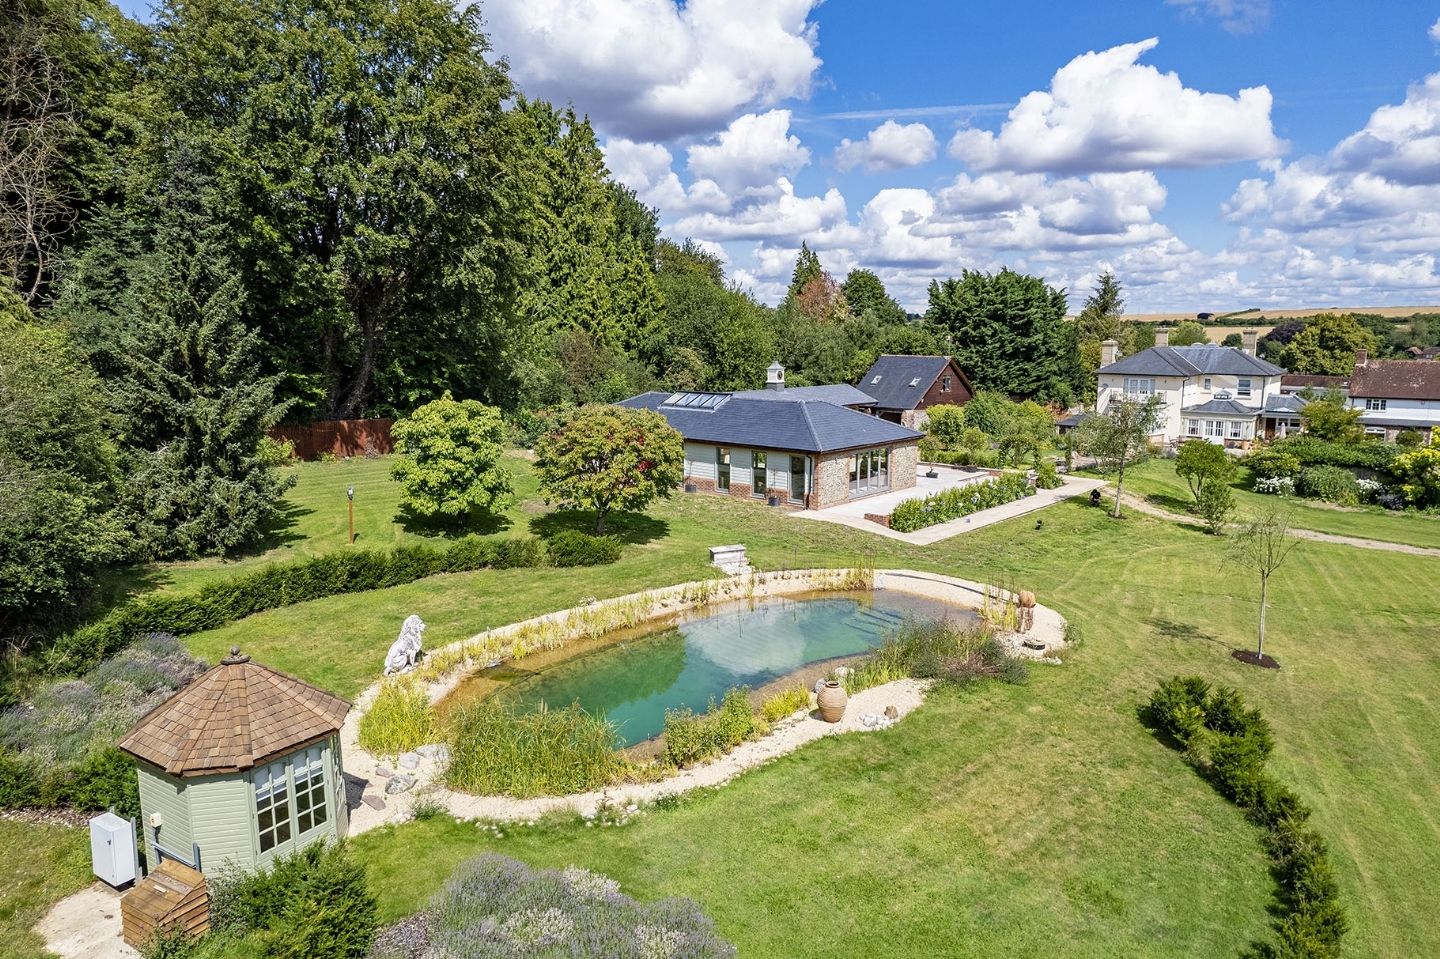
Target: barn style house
<point x="239" y="767"/>
<point x="809" y="447"/>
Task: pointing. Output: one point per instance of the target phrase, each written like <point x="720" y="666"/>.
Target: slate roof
<point x="1397" y="380"/>
<point x="894" y="391"/>
<point x="1222" y="408"/>
<point x="237" y="716"/>
<point x="1192" y="361"/>
<point x="807" y="426"/>
<point x="1285" y="403"/>
<point x="840" y="394"/>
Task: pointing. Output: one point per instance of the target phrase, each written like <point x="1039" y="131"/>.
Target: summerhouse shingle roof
<point x="896" y="373"/>
<point x="807" y="426"/>
<point x="1192" y="361"/>
<point x="237" y="716"/>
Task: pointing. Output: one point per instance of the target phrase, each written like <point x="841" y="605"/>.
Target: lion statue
<point x="401" y="658"/>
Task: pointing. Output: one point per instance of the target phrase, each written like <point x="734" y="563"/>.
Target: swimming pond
<point x="747" y="643"/>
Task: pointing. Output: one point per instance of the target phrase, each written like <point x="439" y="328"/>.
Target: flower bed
<point x="960" y="501"/>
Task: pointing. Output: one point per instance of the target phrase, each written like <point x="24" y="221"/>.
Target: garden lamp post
<point x="350" y="495"/>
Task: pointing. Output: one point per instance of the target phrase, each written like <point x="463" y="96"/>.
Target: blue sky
<point x="883" y="135"/>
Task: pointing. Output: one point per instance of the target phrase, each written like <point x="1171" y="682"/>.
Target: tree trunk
<point x="1264" y="584"/>
<point x="599" y="521"/>
<point x="1119" y="487"/>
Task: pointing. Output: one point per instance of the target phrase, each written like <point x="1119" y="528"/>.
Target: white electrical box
<point x="112" y="849"/>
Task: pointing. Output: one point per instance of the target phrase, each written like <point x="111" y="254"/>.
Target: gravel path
<point x="1140" y="505"/>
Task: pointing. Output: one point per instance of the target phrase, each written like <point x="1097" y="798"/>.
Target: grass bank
<point x="42" y="864"/>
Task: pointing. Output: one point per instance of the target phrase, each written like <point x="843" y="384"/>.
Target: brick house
<point x="903" y="387"/>
<point x="807" y="447"/>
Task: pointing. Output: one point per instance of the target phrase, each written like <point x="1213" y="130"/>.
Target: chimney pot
<point x="1362" y="357"/>
<point x="1162" y="336"/>
<point x="1108" y="351"/>
<point x="1247" y="340"/>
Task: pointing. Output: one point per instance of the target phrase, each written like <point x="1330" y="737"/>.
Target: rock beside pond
<point x="436" y="751"/>
<point x="892" y="713"/>
<point x="876" y="721"/>
<point x="399" y="783"/>
<point x="384" y="772"/>
<point x="409" y="760"/>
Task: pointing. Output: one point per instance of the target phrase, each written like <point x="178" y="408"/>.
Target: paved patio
<point x="853" y="513"/>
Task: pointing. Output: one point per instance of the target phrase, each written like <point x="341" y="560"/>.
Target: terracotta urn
<point x="1027" y="599"/>
<point x="832" y="700"/>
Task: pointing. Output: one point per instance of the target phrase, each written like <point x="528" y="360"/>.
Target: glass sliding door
<point x="870" y="471"/>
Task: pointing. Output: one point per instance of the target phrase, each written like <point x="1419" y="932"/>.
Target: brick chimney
<point x="1162" y="336"/>
<point x="1362" y="359"/>
<point x="775" y="377"/>
<point x="1247" y="340"/>
<point x="1108" y="351"/>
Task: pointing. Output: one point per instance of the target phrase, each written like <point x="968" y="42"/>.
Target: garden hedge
<point x="288" y="583"/>
<point x="958" y="501"/>
<point x="1316" y="452"/>
<point x="1230" y="744"/>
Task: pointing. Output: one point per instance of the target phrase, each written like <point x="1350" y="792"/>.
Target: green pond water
<point x="740" y="644"/>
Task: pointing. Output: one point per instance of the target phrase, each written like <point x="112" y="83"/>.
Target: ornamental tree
<point x="449" y="460"/>
<point x="1202" y="464"/>
<point x="608" y="459"/>
<point x="1327" y="345"/>
<point x="1120" y="436"/>
<point x="946" y="424"/>
<point x="1419" y="475"/>
<point x="1262" y="543"/>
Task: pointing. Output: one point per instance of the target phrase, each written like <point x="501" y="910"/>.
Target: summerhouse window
<point x="1235" y="429"/>
<point x="272" y="806"/>
<point x="870" y="471"/>
<point x="311" y="809"/>
<point x="722" y="469"/>
<point x="758" y="480"/>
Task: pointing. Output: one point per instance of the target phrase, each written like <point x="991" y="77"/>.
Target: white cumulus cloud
<point x="1106" y="112"/>
<point x="889" y="146"/>
<point x="1435" y="31"/>
<point x="1401" y="141"/>
<point x="655" y="69"/>
<point x="750" y="154"/>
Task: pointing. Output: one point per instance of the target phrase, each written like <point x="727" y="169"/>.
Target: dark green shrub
<point x="913" y="514"/>
<point x="1178" y="707"/>
<point x="107" y="780"/>
<point x="1047" y="476"/>
<point x="1409" y="439"/>
<point x="1273" y="463"/>
<point x="573" y="548"/>
<point x="1333" y="484"/>
<point x="1238" y="763"/>
<point x="1225" y="713"/>
<point x="1275" y="803"/>
<point x="1316" y="452"/>
<point x="523" y="553"/>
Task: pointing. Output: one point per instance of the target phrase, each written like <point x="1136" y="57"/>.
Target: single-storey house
<point x="903" y="387"/>
<point x="1217" y="393"/>
<point x="1396" y="395"/>
<point x="239" y="767"/>
<point x="1423" y="353"/>
<point x="808" y="447"/>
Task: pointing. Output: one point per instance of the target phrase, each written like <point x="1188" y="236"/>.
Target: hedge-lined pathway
<point x="1133" y="501"/>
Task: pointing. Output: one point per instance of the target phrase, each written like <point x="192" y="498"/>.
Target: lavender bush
<point x="64" y="722"/>
<point x="494" y="907"/>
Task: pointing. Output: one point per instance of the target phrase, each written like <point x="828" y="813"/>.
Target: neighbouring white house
<point x="1223" y="394"/>
<point x="1396" y="395"/>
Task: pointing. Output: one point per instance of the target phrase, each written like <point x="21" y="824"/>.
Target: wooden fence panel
<point x="340" y="437"/>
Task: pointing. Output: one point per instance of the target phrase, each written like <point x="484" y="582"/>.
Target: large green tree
<point x="1100" y="316"/>
<point x="58" y="474"/>
<point x="1327" y="345"/>
<point x="609" y="459"/>
<point x="377" y="192"/>
<point x="449" y="459"/>
<point x="1006" y="332"/>
<point x="865" y="294"/>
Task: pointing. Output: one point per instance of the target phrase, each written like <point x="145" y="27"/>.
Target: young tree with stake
<point x="1263" y="543"/>
<point x="1120" y="436"/>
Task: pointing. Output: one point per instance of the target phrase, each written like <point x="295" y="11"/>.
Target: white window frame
<point x="1192" y="427"/>
<point x="1139" y="386"/>
<point x="1243" y="387"/>
<point x="1207" y="388"/>
<point x="1237" y="430"/>
<point x="1376" y="405"/>
<point x="1214" y="429"/>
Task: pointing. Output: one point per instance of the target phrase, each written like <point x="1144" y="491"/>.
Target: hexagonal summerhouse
<point x="240" y="766"/>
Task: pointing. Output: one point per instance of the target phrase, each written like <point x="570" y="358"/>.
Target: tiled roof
<point x="1397" y="380"/>
<point x="237" y="716"/>
<point x="1223" y="408"/>
<point x="896" y="373"/>
<point x="1192" y="361"/>
<point x="808" y="426"/>
<point x="841" y="394"/>
<point x="1298" y="381"/>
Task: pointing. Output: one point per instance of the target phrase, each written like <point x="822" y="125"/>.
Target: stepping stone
<point x="384" y="772"/>
<point x="374" y="802"/>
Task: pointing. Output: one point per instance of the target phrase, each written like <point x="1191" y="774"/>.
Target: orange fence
<point x="340" y="437"/>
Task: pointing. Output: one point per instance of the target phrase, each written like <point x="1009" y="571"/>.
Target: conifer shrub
<point x="573" y="548"/>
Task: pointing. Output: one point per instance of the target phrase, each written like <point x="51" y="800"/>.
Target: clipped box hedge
<point x="1316" y="452"/>
<point x="958" y="501"/>
<point x="288" y="583"/>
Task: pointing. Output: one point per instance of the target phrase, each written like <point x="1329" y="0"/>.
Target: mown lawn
<point x="1041" y="820"/>
<point x="41" y="865"/>
<point x="1157" y="481"/>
